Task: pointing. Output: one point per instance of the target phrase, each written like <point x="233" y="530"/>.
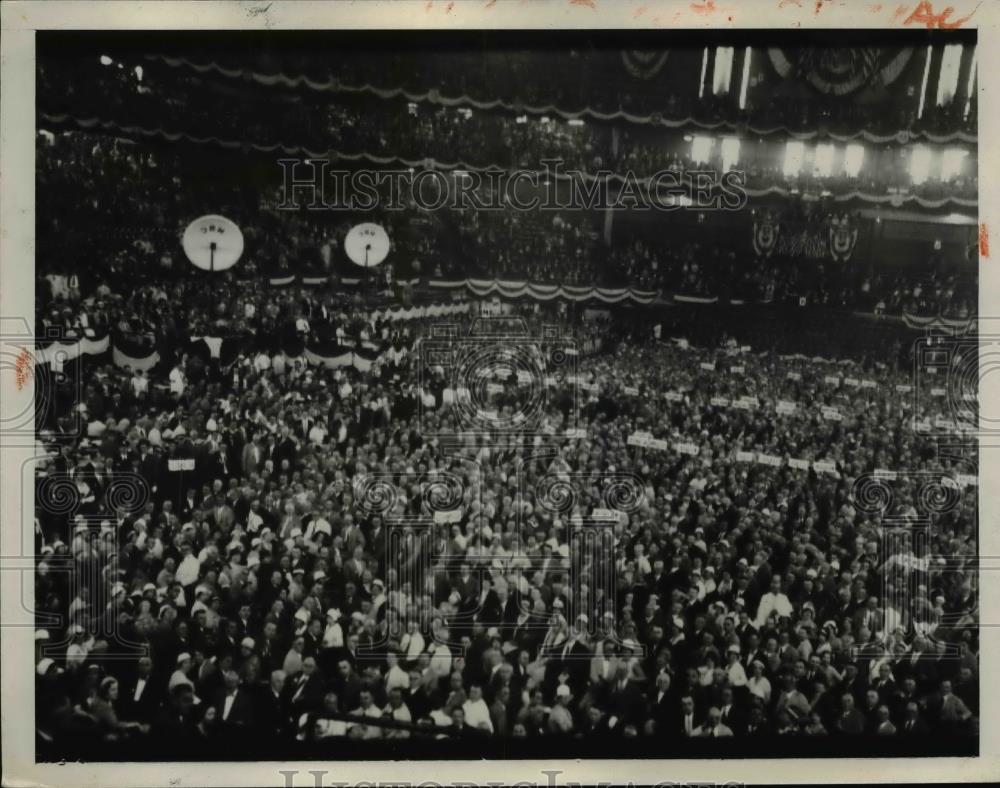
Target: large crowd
<point x="560" y="523"/>
<point x="399" y="130"/>
<point x="274" y="587"/>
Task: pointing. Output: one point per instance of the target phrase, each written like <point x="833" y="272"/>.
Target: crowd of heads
<point x="381" y="129"/>
<point x="278" y="548"/>
<point x="134" y="239"/>
<point x="574" y="525"/>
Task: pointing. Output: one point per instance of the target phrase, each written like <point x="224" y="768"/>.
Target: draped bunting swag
<point x="896" y="200"/>
<point x="519" y="289"/>
<point x="435" y="97"/>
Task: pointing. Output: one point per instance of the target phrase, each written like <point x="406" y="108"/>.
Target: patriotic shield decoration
<point x="765" y="236"/>
<point x="843" y="239"/>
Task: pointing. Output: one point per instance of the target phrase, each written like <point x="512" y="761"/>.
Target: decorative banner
<point x="519" y="289"/>
<point x="840" y="71"/>
<point x="330" y="362"/>
<point x="643" y="63"/>
<point x="765" y="234"/>
<point x="897" y="200"/>
<point x="435" y="97"/>
<point x="937" y="323"/>
<point x="145" y="364"/>
<point x="843" y="238"/>
<point x="214" y="345"/>
<point x="297" y="150"/>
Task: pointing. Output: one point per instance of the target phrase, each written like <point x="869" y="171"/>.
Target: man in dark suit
<point x="688" y="721"/>
<point x="488" y="611"/>
<point x="570" y="660"/>
<point x="143" y="695"/>
<point x="921" y="663"/>
<point x="664" y="706"/>
<point x="123" y="460"/>
<point x="731" y="712"/>
<point x="850" y="721"/>
<point x="525" y="632"/>
<point x="467" y="583"/>
<point x="234" y="706"/>
<point x="347" y="684"/>
<point x="285" y="448"/>
<point x="269" y="703"/>
<point x="175" y="722"/>
<point x="757" y="722"/>
<point x="595" y="725"/>
<point x="304" y="692"/>
<point x="905" y="695"/>
<point x="377" y="543"/>
<point x="216" y="464"/>
<point x="149" y="464"/>
<point x="870" y="708"/>
<point x="949" y="710"/>
<point x="188" y="505"/>
<point x="913" y="724"/>
<point x="416" y="698"/>
<point x="884" y="685"/>
<point x="253" y="457"/>
<point x="626" y="703"/>
<point x="459" y="729"/>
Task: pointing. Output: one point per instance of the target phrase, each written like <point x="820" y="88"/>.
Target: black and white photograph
<point x="462" y="394"/>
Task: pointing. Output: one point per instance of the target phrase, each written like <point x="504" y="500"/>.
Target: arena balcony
<point x="366" y="130"/>
<point x="883" y="85"/>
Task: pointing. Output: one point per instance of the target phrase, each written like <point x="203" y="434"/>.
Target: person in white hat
<point x="182" y="669"/>
<point x="47" y="666"/>
<point x="333" y="635"/>
<point x="79" y="648"/>
<point x="560" y="716"/>
<point x="734" y="668"/>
